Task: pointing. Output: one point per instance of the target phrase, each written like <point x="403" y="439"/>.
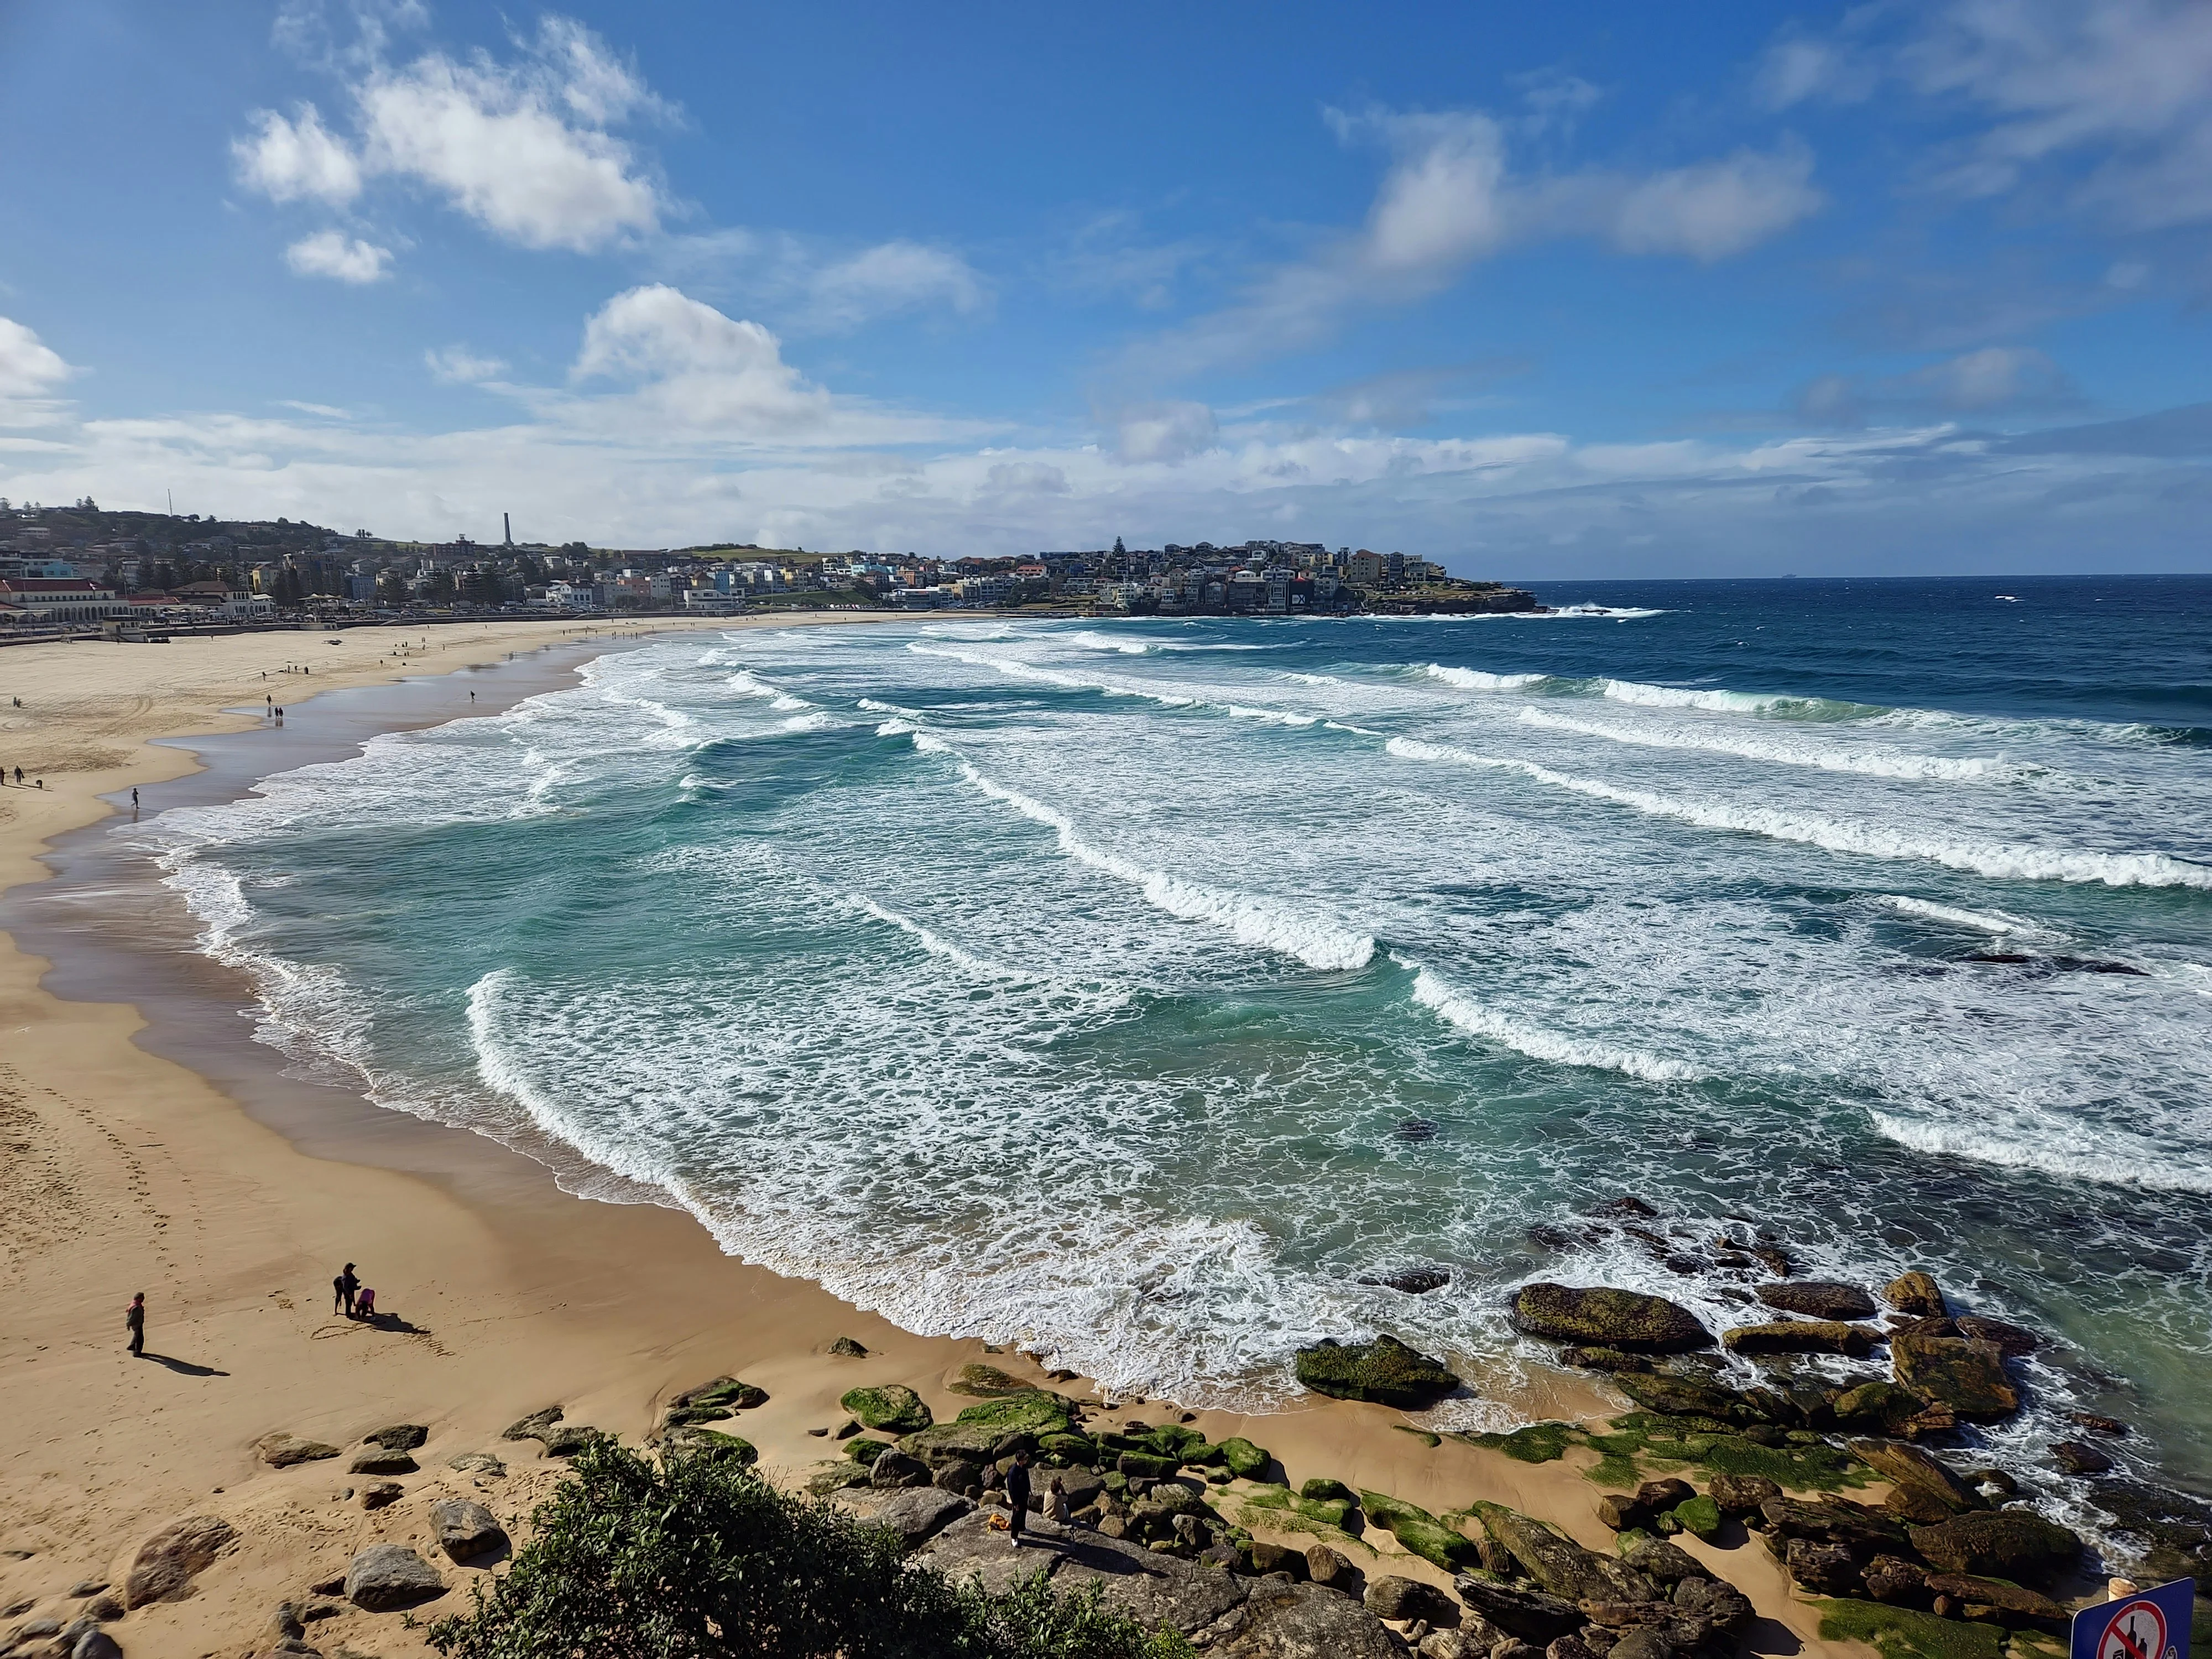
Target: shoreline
<point x="510" y="1294"/>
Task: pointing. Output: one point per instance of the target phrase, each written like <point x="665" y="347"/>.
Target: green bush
<point x="698" y="1558"/>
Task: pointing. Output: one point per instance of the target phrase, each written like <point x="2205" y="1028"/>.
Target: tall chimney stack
<point x="506" y="523"/>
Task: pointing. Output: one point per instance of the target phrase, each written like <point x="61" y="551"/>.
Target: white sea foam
<point x="930" y="940"/>
<point x="2002" y="862"/>
<point x="1680" y="696"/>
<point x="1790" y="749"/>
<point x="1474" y="679"/>
<point x="1984" y="921"/>
<point x="2054" y="1149"/>
<point x="753" y="686"/>
<point x="1260" y="923"/>
<point x="1432" y="990"/>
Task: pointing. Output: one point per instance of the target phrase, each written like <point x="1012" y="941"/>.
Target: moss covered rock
<point x="1033" y="1410"/>
<point x="1906" y="1633"/>
<point x="1682" y="1396"/>
<point x="1245" y="1460"/>
<point x="1876" y="1406"/>
<point x="1420" y="1532"/>
<point x="1385" y="1371"/>
<point x="1918" y="1294"/>
<point x="987" y="1381"/>
<point x="1700" y="1518"/>
<point x="893" y="1409"/>
<point x="2014" y="1544"/>
<point x="692" y="1438"/>
<point x="1966" y="1376"/>
<point x="1603" y="1316"/>
<point x="1322" y="1487"/>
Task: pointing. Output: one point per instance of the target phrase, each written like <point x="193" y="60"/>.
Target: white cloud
<point x="2107" y="102"/>
<point x="332" y="254"/>
<point x="296" y="159"/>
<point x="1450" y="198"/>
<point x="523" y="147"/>
<point x="889" y="278"/>
<point x="696" y="368"/>
<point x="30" y="372"/>
<point x="1991" y="380"/>
<point x="1167" y="432"/>
<point x="1025" y="478"/>
<point x="456" y="365"/>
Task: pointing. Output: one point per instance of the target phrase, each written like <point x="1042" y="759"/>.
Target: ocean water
<point x="1133" y="990"/>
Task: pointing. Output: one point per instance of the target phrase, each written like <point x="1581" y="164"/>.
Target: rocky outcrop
<point x="893" y="1409"/>
<point x="898" y="1470"/>
<point x="2010" y="1340"/>
<point x="398" y="1436"/>
<point x="1531" y="1615"/>
<point x="1916" y="1293"/>
<point x="281" y="1450"/>
<point x="1385" y="1371"/>
<point x="1409" y="1599"/>
<point x="465" y="1530"/>
<point x="1925" y="1491"/>
<point x="569" y="1438"/>
<point x="1299" y="1621"/>
<point x="1332" y="1570"/>
<point x="980" y="1381"/>
<point x="1624" y="1320"/>
<point x="1864" y="1532"/>
<point x="1560" y="1566"/>
<point x="914" y="1515"/>
<point x="1419" y="1531"/>
<point x="1683" y="1396"/>
<point x="478" y="1463"/>
<point x="1799" y="1336"/>
<point x="1966" y="1376"/>
<point x="2022" y="1604"/>
<point x="2014" y="1544"/>
<point x="387" y="1577"/>
<point x="845" y="1347"/>
<point x="163" y="1568"/>
<point x="1818" y="1299"/>
<point x="2077" y="1458"/>
<point x="1741" y="1494"/>
<point x="1154" y="1588"/>
<point x="1876" y="1408"/>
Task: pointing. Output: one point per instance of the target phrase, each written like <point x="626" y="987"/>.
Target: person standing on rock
<point x="1017" y="1494"/>
<point x="134" y="1321"/>
<point x="342" y="1291"/>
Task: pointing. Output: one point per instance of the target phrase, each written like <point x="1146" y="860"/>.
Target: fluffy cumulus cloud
<point x="343" y="258"/>
<point x="2105" y="103"/>
<point x="696" y="368"/>
<point x="294" y="158"/>
<point x="31" y="371"/>
<point x="524" y="147"/>
<point x="1450" y="197"/>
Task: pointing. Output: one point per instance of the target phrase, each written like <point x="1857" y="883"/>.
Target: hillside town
<point x="82" y="568"/>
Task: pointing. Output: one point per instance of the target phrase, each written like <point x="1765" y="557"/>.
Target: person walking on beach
<point x="342" y="1291"/>
<point x="134" y="1321"/>
<point x="134" y="800"/>
<point x="1017" y="1494"/>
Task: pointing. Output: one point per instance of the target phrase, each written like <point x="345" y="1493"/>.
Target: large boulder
<point x="2014" y="1544"/>
<point x="377" y="1459"/>
<point x="1532" y="1615"/>
<point x="281" y="1450"/>
<point x="1959" y="1372"/>
<point x="1419" y="1531"/>
<point x="533" y="1427"/>
<point x="898" y="1470"/>
<point x="1742" y="1494"/>
<point x="2024" y="1604"/>
<point x="1301" y="1621"/>
<point x="466" y="1530"/>
<point x="1915" y="1293"/>
<point x="1924" y="1490"/>
<point x="1384" y="1370"/>
<point x="1818" y="1299"/>
<point x="162" y="1569"/>
<point x="1605" y="1317"/>
<point x="893" y="1409"/>
<point x="1558" y="1564"/>
<point x="1865" y="1532"/>
<point x="1150" y="1586"/>
<point x="1799" y="1336"/>
<point x="913" y="1515"/>
<point x="1245" y="1460"/>
<point x="1683" y="1396"/>
<point x="2010" y="1340"/>
<point x="1823" y="1568"/>
<point x="723" y="1393"/>
<point x="980" y="1381"/>
<point x="1409" y="1599"/>
<point x="397" y="1436"/>
<point x="1875" y="1407"/>
<point x="387" y="1577"/>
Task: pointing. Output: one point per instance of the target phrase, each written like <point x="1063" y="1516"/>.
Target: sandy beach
<point x="124" y="1170"/>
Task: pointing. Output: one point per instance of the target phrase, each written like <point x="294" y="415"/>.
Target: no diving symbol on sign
<point x="2151" y="1625"/>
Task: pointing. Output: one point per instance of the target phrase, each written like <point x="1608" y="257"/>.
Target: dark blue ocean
<point x="1134" y="989"/>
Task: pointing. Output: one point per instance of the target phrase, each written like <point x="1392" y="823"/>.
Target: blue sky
<point x="1562" y="291"/>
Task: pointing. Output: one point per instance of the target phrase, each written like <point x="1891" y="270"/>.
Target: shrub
<point x="698" y="1558"/>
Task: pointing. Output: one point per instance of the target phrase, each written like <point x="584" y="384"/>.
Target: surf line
<point x="1994" y="860"/>
<point x="1261" y="923"/>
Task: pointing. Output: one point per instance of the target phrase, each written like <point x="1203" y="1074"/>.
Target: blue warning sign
<point x="2148" y="1625"/>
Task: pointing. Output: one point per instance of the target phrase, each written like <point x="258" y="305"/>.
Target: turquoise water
<point x="1131" y="990"/>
